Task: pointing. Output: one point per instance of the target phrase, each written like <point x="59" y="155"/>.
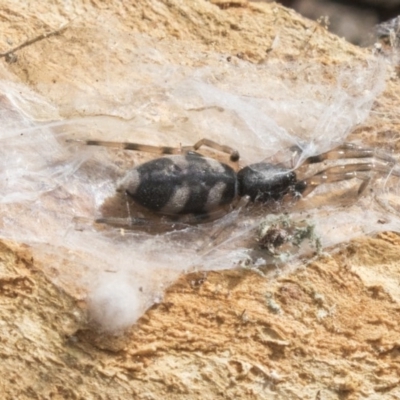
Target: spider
<point x="186" y="183"/>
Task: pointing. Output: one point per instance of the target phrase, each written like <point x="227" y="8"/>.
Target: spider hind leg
<point x="234" y="154"/>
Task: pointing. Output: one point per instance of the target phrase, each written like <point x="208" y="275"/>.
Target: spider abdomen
<point x="181" y="184"/>
<point x="265" y="182"/>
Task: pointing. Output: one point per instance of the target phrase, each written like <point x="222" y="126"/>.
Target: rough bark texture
<point x="328" y="331"/>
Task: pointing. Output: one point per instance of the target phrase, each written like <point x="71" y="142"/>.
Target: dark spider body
<point x="185" y="182"/>
<point x="193" y="184"/>
<point x="182" y="184"/>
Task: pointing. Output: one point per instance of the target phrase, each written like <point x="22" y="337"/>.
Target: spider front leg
<point x="344" y="172"/>
<point x="348" y="151"/>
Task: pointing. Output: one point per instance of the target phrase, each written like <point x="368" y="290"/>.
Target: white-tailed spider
<point x="186" y="183"/>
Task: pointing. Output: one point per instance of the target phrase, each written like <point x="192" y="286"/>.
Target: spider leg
<point x="131" y="146"/>
<point x="343" y="172"/>
<point x="128" y="223"/>
<point x="162" y="223"/>
<point x="220" y="233"/>
<point x="349" y="150"/>
<point x="234" y="154"/>
<point x="142" y="224"/>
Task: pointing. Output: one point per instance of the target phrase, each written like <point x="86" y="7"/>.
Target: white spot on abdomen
<point x="177" y="201"/>
<point x="215" y="195"/>
<point x="130" y="181"/>
<point x="215" y="165"/>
